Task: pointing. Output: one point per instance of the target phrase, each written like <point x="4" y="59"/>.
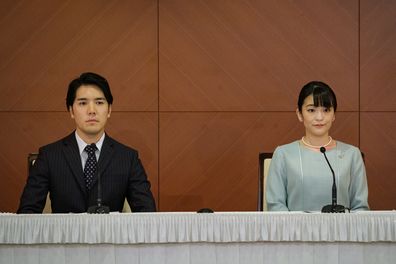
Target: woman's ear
<point x="299" y="115"/>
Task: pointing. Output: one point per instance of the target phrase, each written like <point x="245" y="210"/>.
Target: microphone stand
<point x="98" y="208"/>
<point x="333" y="207"/>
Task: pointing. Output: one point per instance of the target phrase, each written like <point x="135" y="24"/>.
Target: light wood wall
<point x="200" y="87"/>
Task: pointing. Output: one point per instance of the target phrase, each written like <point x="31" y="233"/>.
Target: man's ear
<point x="71" y="112"/>
<point x="109" y="113"/>
<point x="299" y="115"/>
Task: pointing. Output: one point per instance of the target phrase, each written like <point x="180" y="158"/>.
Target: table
<point x="187" y="237"/>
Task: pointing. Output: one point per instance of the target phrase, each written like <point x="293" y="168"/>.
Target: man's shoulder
<point x="59" y="143"/>
<point x="118" y="146"/>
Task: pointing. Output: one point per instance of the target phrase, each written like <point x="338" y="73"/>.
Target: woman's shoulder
<point x="286" y="148"/>
<point x="347" y="149"/>
<point x="345" y="146"/>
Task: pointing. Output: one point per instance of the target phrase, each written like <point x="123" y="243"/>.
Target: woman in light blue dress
<point x="299" y="177"/>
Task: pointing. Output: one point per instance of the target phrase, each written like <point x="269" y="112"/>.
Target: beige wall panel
<point x="378" y="141"/>
<point x="24" y="132"/>
<point x="378" y="55"/>
<point x="44" y="45"/>
<point x="211" y="159"/>
<point x="255" y="55"/>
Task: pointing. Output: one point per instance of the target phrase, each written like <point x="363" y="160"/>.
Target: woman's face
<point x="317" y="119"/>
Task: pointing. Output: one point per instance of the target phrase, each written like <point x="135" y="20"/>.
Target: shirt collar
<point x="82" y="144"/>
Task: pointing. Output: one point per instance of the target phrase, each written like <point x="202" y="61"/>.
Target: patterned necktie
<point x="90" y="165"/>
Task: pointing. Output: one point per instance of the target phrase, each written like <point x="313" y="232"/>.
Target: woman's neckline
<point x="329" y="148"/>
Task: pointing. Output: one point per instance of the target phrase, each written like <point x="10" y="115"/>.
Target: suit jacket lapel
<point x="70" y="149"/>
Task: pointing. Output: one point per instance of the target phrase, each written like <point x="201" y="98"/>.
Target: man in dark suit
<point x="68" y="169"/>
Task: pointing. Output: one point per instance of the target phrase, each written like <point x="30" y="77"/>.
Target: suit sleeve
<point x="139" y="194"/>
<point x="34" y="195"/>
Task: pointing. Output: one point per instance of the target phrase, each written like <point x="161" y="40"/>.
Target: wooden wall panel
<point x="20" y="134"/>
<point x="211" y="159"/>
<point x="378" y="142"/>
<point x="45" y="44"/>
<point x="378" y="96"/>
<point x="200" y="87"/>
<point x="139" y="130"/>
<point x="255" y="55"/>
<point x="378" y="55"/>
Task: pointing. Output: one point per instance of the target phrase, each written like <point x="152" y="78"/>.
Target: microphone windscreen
<point x="322" y="149"/>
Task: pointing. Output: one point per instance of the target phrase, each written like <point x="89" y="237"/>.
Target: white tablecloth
<point x="237" y="237"/>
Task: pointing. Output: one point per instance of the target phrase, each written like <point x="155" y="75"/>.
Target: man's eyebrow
<point x="85" y="99"/>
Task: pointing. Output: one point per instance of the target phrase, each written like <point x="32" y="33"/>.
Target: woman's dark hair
<point x="323" y="95"/>
<point x="86" y="79"/>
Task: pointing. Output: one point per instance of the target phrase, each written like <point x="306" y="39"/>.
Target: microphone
<point x="98" y="208"/>
<point x="205" y="210"/>
<point x="333" y="207"/>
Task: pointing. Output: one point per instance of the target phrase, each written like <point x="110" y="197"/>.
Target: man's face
<point x="90" y="111"/>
